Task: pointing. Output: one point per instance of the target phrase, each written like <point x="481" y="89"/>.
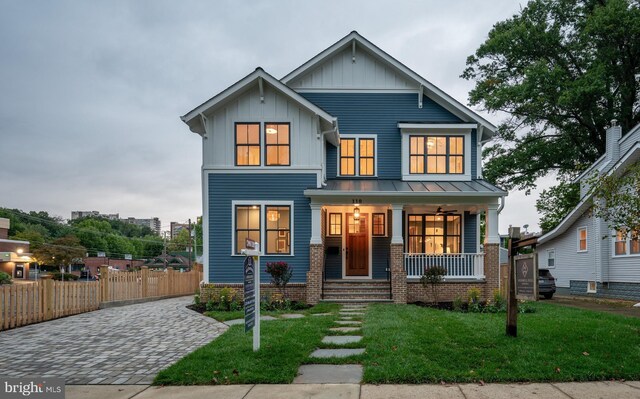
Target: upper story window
<point x="247" y="144"/>
<point x="357" y="156"/>
<point x="626" y="243"/>
<point x="582" y="239"/>
<point x="277" y="144"/>
<point x="436" y="154"/>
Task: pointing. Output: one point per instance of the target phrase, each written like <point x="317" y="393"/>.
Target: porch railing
<point x="458" y="266"/>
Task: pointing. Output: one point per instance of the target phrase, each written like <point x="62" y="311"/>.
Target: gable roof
<point x="439" y="96"/>
<point x="196" y="118"/>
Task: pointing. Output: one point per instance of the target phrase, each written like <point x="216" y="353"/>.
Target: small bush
<point x="458" y="304"/>
<point x="473" y="296"/>
<point x="5" y="278"/>
<point x="280" y="275"/>
<point x="433" y="275"/>
<point x="67" y="276"/>
<point x="525" y="307"/>
<point x="196" y="299"/>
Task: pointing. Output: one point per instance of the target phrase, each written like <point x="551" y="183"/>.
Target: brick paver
<point x="123" y="345"/>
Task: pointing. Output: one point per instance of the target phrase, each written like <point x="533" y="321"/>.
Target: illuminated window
<point x="277" y="144"/>
<point x="436" y="154"/>
<point x="582" y="239"/>
<point x="357" y="156"/>
<point x="621" y="243"/>
<point x="435" y="234"/>
<point x="335" y="224"/>
<point x="247" y="144"/>
<point x="247" y="225"/>
<point x="278" y="229"/>
<point x="378" y="224"/>
<point x="626" y="243"/>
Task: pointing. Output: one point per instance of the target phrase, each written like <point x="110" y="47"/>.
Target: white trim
<point x="408" y="132"/>
<point x="554" y="258"/>
<point x="14" y="241"/>
<point x="439" y="126"/>
<point x="357" y="138"/>
<point x="362" y="90"/>
<point x="265" y="170"/>
<point x="595" y="287"/>
<point x="439" y="96"/>
<point x="586" y="239"/>
<point x="263" y="226"/>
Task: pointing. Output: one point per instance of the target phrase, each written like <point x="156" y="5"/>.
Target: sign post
<point x="252" y="290"/>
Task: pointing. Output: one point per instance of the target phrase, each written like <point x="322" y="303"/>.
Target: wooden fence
<point x="22" y="304"/>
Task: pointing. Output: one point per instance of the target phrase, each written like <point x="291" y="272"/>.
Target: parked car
<point x="546" y="283"/>
<point x="85" y="275"/>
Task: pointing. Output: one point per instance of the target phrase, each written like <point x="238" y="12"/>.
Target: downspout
<point x="333" y="130"/>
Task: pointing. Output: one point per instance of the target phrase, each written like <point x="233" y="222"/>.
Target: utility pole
<point x="189" y="246"/>
<point x="164" y="250"/>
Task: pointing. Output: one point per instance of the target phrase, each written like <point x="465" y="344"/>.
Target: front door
<point x="357" y="253"/>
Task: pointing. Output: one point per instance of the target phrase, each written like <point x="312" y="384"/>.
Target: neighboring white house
<point x="581" y="252"/>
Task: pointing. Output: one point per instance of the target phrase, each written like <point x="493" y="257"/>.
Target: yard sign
<point x="252" y="290"/>
<point x="526" y="274"/>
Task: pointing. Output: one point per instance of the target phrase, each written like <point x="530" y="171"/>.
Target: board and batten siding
<point x="341" y="72"/>
<point x="219" y="146"/>
<point x="225" y="188"/>
<point x="569" y="263"/>
<point x="379" y="114"/>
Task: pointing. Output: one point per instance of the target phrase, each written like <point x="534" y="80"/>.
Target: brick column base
<point x="398" y="274"/>
<point x="491" y="268"/>
<point x="314" y="275"/>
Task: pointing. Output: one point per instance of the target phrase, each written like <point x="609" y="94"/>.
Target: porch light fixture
<point x="356" y="213"/>
<point x="273" y="216"/>
<point x="271" y="130"/>
<point x="19" y="251"/>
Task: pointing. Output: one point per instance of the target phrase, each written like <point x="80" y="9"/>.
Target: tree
<point x="556" y="202"/>
<point x="616" y="199"/>
<point x="561" y="70"/>
<point x="433" y="276"/>
<point x="180" y="242"/>
<point x="62" y="251"/>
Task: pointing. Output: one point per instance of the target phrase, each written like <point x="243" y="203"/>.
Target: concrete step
<point x="356" y="295"/>
<point x="351" y="301"/>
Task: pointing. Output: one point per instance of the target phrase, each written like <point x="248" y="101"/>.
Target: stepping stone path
<point x="292" y="316"/>
<point x="337" y="374"/>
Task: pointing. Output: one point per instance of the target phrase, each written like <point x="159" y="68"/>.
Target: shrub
<point x="196" y="299"/>
<point x="457" y="303"/>
<point x="228" y="298"/>
<point x="5" y="278"/>
<point x="433" y="275"/>
<point x="473" y="295"/>
<point x="67" y="276"/>
<point x="525" y="307"/>
<point x="280" y="273"/>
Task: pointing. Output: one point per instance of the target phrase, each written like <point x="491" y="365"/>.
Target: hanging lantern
<point x="356" y="213"/>
<point x="273" y="216"/>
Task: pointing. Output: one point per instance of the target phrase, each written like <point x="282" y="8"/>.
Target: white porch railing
<point x="458" y="266"/>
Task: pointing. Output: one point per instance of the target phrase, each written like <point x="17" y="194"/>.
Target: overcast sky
<point x="91" y="91"/>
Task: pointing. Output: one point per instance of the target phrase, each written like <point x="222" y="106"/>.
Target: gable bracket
<point x="420" y="95"/>
<point x="261" y="86"/>
<point x="353" y="51"/>
<point x="203" y="120"/>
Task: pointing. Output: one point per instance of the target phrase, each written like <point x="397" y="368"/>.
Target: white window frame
<point x="263" y="227"/>
<point x="627" y="254"/>
<point x="595" y="287"/>
<point x="551" y="251"/>
<point x="586" y="239"/>
<point x="357" y="138"/>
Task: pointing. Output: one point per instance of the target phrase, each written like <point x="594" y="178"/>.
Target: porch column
<point x="492" y="251"/>
<point x="492" y="235"/>
<point x="316" y="257"/>
<point x="398" y="274"/>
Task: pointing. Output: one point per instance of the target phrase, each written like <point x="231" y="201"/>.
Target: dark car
<point x="85" y="275"/>
<point x="546" y="283"/>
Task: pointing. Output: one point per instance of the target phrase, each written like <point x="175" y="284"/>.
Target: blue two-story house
<point x="353" y="169"/>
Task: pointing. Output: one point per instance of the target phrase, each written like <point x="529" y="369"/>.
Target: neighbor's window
<point x="277" y="144"/>
<point x="621" y="243"/>
<point x="247" y="144"/>
<point x="436" y="154"/>
<point x="247" y="225"/>
<point x="278" y="229"/>
<point x="627" y="244"/>
<point x="357" y="156"/>
<point x="435" y="234"/>
<point x="551" y="258"/>
<point x="335" y="224"/>
<point x="378" y="224"/>
<point x="582" y="239"/>
<point x="634" y="245"/>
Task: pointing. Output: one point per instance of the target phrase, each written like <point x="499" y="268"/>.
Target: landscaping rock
<point x="325" y="353"/>
<point x="329" y="374"/>
<point x="341" y="339"/>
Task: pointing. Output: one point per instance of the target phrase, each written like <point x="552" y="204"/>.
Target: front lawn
<point x="411" y="344"/>
<point x="222" y="315"/>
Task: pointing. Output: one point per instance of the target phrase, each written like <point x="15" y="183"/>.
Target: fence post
<point x="47" y="298"/>
<point x="104" y="283"/>
<point x="170" y="281"/>
<point x="144" y="272"/>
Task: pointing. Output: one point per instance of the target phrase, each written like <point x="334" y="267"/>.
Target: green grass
<point x="239" y="314"/>
<point x="410" y="344"/>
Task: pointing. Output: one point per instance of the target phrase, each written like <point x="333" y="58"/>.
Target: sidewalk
<point x="570" y="390"/>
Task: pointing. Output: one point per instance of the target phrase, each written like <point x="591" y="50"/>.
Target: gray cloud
<point x="91" y="92"/>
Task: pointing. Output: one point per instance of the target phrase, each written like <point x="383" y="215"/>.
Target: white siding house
<point x="580" y="251"/>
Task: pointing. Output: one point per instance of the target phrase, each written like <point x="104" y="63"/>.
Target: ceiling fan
<point x="449" y="212"/>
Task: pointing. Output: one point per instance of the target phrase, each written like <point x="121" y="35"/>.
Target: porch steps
<point x="353" y="291"/>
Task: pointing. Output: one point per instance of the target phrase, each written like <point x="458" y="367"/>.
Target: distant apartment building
<point x="83" y="214"/>
<point x="153" y="223"/>
<point x="176" y="228"/>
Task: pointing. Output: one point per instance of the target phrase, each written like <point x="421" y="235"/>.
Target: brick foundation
<point x="295" y="291"/>
<point x="398" y="274"/>
<point x="447" y="292"/>
<point x="314" y="275"/>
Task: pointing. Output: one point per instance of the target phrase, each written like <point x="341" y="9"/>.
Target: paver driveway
<point x="124" y="345"/>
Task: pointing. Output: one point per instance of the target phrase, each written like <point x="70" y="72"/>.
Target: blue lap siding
<point x="379" y="113"/>
<point x="225" y="188"/>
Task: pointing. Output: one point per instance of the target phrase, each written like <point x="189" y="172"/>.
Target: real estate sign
<point x="526" y="273"/>
<point x="249" y="294"/>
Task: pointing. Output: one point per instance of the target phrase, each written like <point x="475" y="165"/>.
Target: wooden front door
<point x="357" y="254"/>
